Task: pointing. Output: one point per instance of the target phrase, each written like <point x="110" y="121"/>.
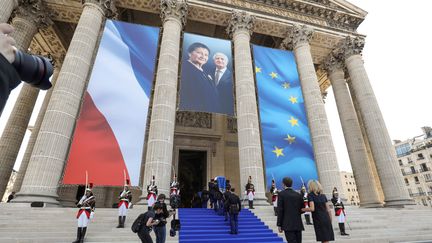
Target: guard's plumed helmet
<point x="250" y="179"/>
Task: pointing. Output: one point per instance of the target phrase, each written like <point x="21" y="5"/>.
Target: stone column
<point x="35" y="131"/>
<point x="28" y="18"/>
<point x="325" y="155"/>
<point x="158" y="160"/>
<point x="240" y="27"/>
<point x="6" y="8"/>
<point x="365" y="138"/>
<point x="52" y="144"/>
<point x="363" y="173"/>
<point x="384" y="154"/>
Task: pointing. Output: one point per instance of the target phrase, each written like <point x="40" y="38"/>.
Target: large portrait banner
<point x="206" y="82"/>
<point x="108" y="140"/>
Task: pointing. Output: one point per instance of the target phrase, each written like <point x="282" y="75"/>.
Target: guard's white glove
<point x="130" y="205"/>
<point x="91" y="215"/>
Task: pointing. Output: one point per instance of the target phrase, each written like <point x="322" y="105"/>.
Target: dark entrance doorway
<point x="192" y="174"/>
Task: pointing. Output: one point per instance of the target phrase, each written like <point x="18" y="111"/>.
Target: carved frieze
<point x="232" y="124"/>
<point x="174" y="8"/>
<point x="240" y="20"/>
<point x="34" y="11"/>
<point x="194" y="119"/>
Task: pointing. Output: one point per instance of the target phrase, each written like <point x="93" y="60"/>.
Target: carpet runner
<point x="204" y="225"/>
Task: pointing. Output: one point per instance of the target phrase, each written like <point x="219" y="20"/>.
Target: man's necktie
<point x="217" y="76"/>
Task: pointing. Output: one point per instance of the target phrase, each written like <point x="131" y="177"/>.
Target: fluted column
<point x="363" y="173"/>
<point x="325" y="155"/>
<point x="52" y="144"/>
<point x="240" y="28"/>
<point x="365" y="138"/>
<point x="35" y="131"/>
<point x="6" y="8"/>
<point x="384" y="154"/>
<point x="158" y="160"/>
<point x="28" y="18"/>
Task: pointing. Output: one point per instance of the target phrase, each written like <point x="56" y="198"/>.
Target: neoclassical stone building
<point x="321" y="33"/>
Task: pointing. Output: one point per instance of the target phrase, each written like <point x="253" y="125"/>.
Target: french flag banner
<point x="109" y="136"/>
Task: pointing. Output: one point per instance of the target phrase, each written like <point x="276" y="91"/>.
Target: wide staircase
<point x="49" y="225"/>
<point x="370" y="225"/>
<point x="204" y="225"/>
<point x="58" y="225"/>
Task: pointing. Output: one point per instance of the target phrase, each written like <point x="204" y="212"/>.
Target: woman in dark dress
<point x="321" y="212"/>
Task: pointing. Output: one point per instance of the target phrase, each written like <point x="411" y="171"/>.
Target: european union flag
<point x="286" y="139"/>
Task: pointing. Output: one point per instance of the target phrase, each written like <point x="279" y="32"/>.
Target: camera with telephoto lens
<point x="34" y="70"/>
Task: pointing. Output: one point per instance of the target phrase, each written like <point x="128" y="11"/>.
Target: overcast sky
<point x="397" y="57"/>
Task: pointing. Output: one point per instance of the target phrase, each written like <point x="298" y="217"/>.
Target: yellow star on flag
<point x="293" y="100"/>
<point x="286" y="85"/>
<point x="257" y="69"/>
<point x="293" y="121"/>
<point x="273" y="75"/>
<point x="278" y="151"/>
<point x="290" y="139"/>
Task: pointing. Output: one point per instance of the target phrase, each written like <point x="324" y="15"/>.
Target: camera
<point x="34" y="70"/>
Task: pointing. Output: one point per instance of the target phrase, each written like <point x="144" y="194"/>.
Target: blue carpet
<point x="204" y="225"/>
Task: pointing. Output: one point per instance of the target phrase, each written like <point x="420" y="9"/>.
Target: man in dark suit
<point x="222" y="78"/>
<point x="289" y="207"/>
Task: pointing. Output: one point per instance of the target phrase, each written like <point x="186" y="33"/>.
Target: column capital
<point x="333" y="63"/>
<point x="240" y="20"/>
<point x="177" y="9"/>
<point x="33" y="11"/>
<point x="296" y="35"/>
<point x="107" y="7"/>
<point x="351" y="46"/>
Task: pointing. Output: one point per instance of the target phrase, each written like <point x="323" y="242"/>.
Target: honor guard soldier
<point x="175" y="193"/>
<point x="339" y="211"/>
<point x="124" y="204"/>
<point x="86" y="211"/>
<point x="152" y="192"/>
<point x="274" y="192"/>
<point x="250" y="192"/>
<point x="306" y="204"/>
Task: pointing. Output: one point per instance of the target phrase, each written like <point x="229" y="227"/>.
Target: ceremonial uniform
<point x="151" y="193"/>
<point x="175" y="193"/>
<point x="274" y="192"/>
<point x="250" y="192"/>
<point x="339" y="211"/>
<point x="86" y="210"/>
<point x="123" y="205"/>
<point x="306" y="205"/>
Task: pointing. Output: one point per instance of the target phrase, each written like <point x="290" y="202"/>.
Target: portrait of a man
<point x="206" y="78"/>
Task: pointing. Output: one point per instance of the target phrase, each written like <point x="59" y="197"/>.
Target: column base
<point x="142" y="201"/>
<point x="371" y="205"/>
<point x="49" y="201"/>
<point x="399" y="203"/>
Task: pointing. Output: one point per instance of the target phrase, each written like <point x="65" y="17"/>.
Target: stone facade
<point x="314" y="30"/>
<point x="415" y="161"/>
<point x="349" y="188"/>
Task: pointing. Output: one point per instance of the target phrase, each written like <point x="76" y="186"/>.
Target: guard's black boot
<point x="123" y="221"/>
<point x="120" y="222"/>
<point x="308" y="221"/>
<point x="83" y="232"/>
<point x="275" y="211"/>
<point x="78" y="235"/>
<point x="251" y="202"/>
<point x="342" y="228"/>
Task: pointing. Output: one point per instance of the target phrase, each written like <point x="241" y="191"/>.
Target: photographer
<point x="9" y="78"/>
<point x="150" y="221"/>
<point x="160" y="229"/>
